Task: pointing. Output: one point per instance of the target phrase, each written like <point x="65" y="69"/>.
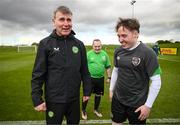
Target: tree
<point x="34" y="44"/>
<point x="163" y="41"/>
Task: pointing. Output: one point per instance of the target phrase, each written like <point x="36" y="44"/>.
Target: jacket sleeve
<point x="38" y="75"/>
<point x="85" y="75"/>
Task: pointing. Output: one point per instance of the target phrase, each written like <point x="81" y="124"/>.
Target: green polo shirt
<point x="97" y="63"/>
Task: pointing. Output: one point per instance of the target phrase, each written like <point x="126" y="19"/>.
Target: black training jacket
<point x="61" y="65"/>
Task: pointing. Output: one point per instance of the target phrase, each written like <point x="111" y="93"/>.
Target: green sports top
<point x="97" y="63"/>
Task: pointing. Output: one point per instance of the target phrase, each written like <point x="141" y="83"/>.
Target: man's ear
<point x="53" y="22"/>
<point x="136" y="34"/>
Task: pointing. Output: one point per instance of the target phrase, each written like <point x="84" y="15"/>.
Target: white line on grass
<point x="82" y="122"/>
<point x="169" y="59"/>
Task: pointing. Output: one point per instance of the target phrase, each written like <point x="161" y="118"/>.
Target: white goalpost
<point x="21" y="48"/>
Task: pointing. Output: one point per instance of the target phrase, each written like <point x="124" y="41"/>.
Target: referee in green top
<point x="98" y="62"/>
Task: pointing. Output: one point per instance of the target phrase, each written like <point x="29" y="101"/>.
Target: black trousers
<point x="56" y="111"/>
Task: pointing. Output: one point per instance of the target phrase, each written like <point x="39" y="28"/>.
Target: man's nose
<point x="120" y="39"/>
<point x="66" y="22"/>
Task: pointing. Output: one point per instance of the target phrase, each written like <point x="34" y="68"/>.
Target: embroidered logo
<point x="75" y="49"/>
<point x="136" y="61"/>
<point x="118" y="58"/>
<point x="92" y="58"/>
<point x="56" y="49"/>
<point x="50" y="114"/>
<point x="103" y="58"/>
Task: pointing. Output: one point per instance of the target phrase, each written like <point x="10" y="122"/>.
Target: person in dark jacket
<point x="60" y="65"/>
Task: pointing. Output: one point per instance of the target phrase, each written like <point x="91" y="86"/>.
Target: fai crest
<point x="75" y="49"/>
<point x="136" y="61"/>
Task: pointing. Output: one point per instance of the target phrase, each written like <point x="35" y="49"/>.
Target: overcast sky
<point x="28" y="21"/>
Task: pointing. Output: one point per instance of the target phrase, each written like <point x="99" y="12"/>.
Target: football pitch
<point x="15" y="88"/>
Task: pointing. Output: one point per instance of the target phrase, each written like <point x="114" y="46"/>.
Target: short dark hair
<point x="129" y="23"/>
<point x="96" y="40"/>
<point x="62" y="9"/>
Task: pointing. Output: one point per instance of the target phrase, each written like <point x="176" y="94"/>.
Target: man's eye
<point x="124" y="36"/>
<point x="69" y="20"/>
<point x="61" y="19"/>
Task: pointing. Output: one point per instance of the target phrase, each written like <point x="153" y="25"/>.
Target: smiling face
<point x="97" y="46"/>
<point x="126" y="37"/>
<point x="62" y="23"/>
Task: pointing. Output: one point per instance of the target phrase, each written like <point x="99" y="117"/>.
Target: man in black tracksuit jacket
<point x="61" y="65"/>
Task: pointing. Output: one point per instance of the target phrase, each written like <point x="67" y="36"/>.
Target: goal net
<point x="26" y="49"/>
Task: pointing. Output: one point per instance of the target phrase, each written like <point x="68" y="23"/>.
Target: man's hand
<point x="85" y="98"/>
<point x="108" y="80"/>
<point x="110" y="95"/>
<point x="41" y="107"/>
<point x="144" y="112"/>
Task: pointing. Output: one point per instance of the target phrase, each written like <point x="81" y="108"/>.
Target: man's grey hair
<point x="63" y="9"/>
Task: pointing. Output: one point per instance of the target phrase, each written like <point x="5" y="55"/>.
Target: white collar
<point x="137" y="44"/>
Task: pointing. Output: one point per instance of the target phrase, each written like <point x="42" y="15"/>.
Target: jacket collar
<point x="54" y="34"/>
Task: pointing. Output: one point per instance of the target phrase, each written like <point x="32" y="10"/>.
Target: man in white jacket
<point x="135" y="65"/>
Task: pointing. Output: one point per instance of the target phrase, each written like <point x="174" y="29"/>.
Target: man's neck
<point x="135" y="45"/>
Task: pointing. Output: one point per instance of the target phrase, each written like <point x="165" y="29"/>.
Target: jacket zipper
<point x="66" y="51"/>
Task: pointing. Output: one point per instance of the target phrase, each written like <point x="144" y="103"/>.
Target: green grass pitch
<point x="15" y="77"/>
